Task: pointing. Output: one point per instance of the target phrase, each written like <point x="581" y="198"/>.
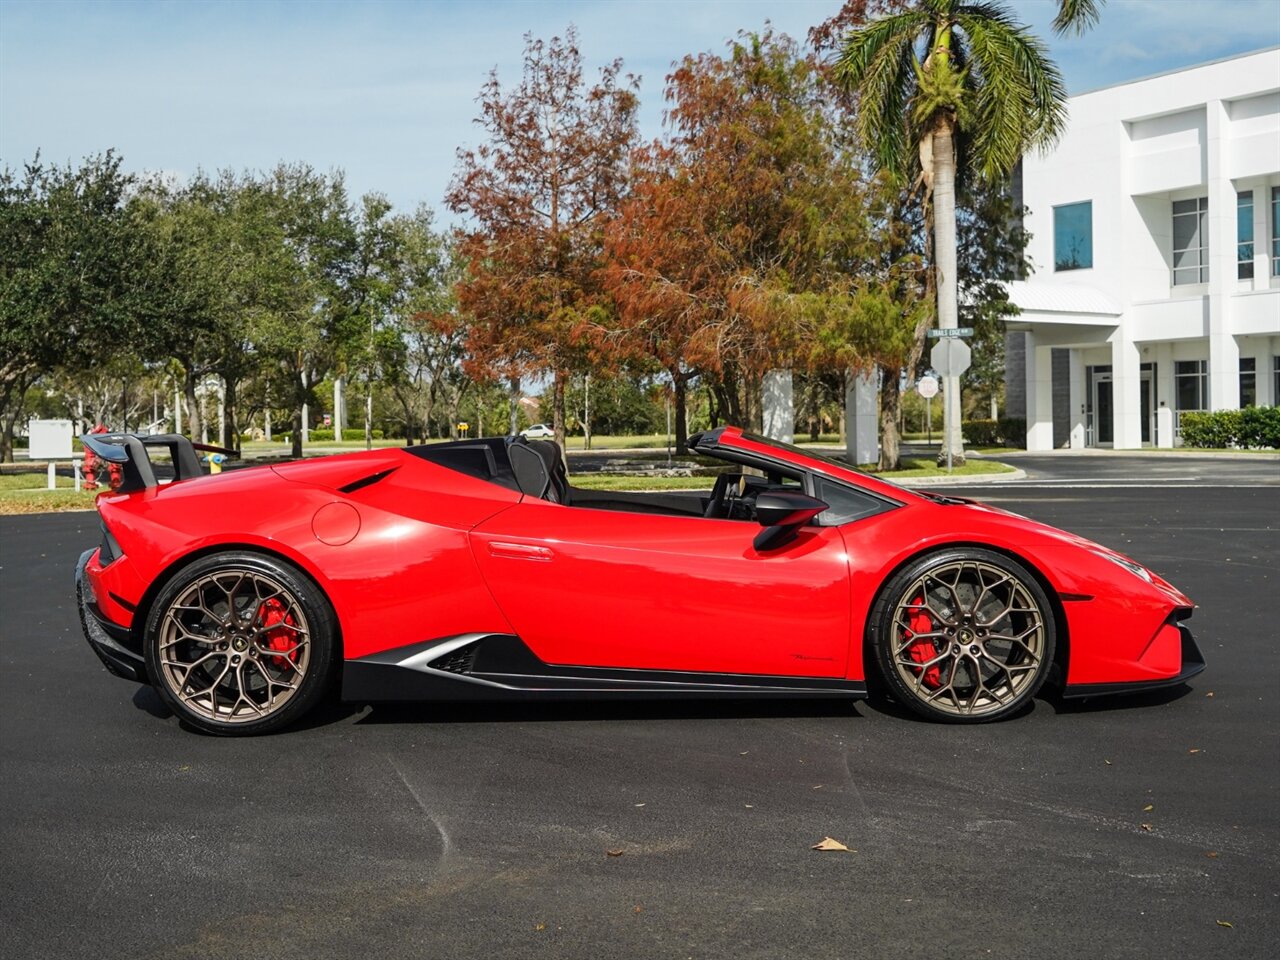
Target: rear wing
<point x="129" y="450"/>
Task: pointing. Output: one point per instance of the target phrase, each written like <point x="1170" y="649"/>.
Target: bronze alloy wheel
<point x="964" y="636"/>
<point x="239" y="643"/>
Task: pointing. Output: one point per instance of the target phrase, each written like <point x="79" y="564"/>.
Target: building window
<point x="1275" y="231"/>
<point x="1248" y="382"/>
<point x="1190" y="241"/>
<point x="1275" y="381"/>
<point x="1244" y="235"/>
<point x="1073" y="236"/>
<point x="1191" y="384"/>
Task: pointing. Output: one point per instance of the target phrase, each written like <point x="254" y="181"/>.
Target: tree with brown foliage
<point x="733" y="208"/>
<point x="538" y="192"/>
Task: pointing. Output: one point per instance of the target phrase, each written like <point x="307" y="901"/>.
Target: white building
<point x="1156" y="244"/>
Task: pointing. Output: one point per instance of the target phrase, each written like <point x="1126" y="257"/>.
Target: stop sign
<point x="950" y="357"/>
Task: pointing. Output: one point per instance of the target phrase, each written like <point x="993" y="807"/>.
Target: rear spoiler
<point x="130" y="451"/>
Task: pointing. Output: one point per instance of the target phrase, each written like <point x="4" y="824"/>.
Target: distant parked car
<point x="539" y="431"/>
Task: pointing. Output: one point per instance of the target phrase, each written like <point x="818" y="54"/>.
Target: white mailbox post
<point x="51" y="440"/>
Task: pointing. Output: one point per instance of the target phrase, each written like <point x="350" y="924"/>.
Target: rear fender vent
<point x="368" y="481"/>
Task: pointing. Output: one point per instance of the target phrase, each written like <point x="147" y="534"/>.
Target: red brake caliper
<point x="274" y="617"/>
<point x="922" y="651"/>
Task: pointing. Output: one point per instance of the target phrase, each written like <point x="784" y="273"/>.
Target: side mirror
<point x="782" y="515"/>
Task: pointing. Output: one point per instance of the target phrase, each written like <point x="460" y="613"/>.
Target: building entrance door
<point x="1103" y="409"/>
<point x="1147" y="393"/>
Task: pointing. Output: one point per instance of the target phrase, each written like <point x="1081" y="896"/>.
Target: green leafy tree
<point x="944" y="86"/>
<point x="311" y="323"/>
<point x="67" y="293"/>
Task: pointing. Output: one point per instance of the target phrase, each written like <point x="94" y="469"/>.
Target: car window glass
<point x="845" y="504"/>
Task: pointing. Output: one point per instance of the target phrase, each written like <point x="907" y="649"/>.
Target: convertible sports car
<point x="474" y="570"/>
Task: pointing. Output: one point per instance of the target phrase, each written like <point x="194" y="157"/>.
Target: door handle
<point x="519" y="551"/>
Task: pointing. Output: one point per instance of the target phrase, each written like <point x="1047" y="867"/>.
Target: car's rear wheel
<point x="240" y="643"/>
<point x="964" y="636"/>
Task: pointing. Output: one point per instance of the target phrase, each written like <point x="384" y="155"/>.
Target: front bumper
<point x="1192" y="664"/>
<point x="111" y="642"/>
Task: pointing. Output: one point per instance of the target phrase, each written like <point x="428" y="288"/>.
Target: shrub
<point x="1013" y="432"/>
<point x="1251" y="427"/>
<point x="981" y="433"/>
<point x="1260" y="427"/>
<point x="1005" y="432"/>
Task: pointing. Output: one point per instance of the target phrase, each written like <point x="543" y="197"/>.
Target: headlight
<point x="1135" y="568"/>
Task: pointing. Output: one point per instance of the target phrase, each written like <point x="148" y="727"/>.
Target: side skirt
<point x="487" y="666"/>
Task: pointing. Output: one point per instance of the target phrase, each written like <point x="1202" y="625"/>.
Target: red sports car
<point x="473" y="570"/>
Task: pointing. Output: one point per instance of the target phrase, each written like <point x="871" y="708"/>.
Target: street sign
<point x="950" y="357"/>
<point x="927" y="387"/>
<point x="944" y="333"/>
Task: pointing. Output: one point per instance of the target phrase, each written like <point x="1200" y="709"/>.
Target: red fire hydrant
<point x="90" y="466"/>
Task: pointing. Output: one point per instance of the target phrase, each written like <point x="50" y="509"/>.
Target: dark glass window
<point x="1191" y="383"/>
<point x="1073" y="236"/>
<point x="1248" y="382"/>
<point x="1244" y="235"/>
<point x="1191" y="241"/>
<point x="846" y="504"/>
<point x="1275" y="231"/>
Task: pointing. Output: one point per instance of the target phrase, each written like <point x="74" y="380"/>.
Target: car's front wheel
<point x="964" y="636"/>
<point x="240" y="643"/>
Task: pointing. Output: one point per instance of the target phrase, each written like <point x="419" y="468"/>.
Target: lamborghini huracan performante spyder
<point x="473" y="570"/>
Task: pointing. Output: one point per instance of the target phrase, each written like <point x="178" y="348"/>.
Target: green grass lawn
<point x="26" y="493"/>
<point x="913" y="469"/>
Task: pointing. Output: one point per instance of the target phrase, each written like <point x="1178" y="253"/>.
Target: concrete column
<point x="861" y="407"/>
<point x="306" y="414"/>
<point x="1164" y="426"/>
<point x="1267" y="348"/>
<point x="1126" y="392"/>
<point x="1076" y="401"/>
<point x="1039" y="395"/>
<point x="1224" y="355"/>
<point x="339" y="406"/>
<point x="778" y="406"/>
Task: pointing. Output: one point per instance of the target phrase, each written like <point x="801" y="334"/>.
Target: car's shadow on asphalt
<point x="597" y="710"/>
<point x="333" y="711"/>
<point x="1117" y="701"/>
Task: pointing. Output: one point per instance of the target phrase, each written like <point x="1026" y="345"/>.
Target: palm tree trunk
<point x="944" y="253"/>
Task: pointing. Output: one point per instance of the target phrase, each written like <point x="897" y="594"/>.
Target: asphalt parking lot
<point x="1139" y="827"/>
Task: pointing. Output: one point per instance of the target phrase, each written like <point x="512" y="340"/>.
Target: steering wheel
<point x="718" y="506"/>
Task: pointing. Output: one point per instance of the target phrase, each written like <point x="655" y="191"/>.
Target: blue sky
<point x="386" y="90"/>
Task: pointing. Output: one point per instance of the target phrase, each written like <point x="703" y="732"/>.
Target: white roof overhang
<point x="1061" y="303"/>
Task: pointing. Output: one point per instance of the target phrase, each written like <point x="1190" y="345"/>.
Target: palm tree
<point x="945" y="84"/>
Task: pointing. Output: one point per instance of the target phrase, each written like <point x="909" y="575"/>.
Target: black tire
<point x="963" y="635"/>
<point x="240" y="643"/>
